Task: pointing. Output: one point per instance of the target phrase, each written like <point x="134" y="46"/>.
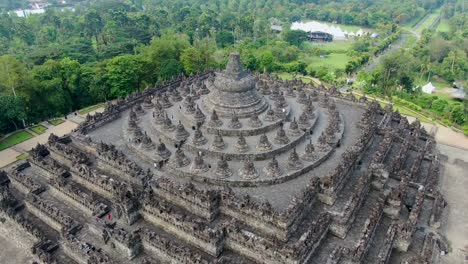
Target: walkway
<point x="9" y="155"/>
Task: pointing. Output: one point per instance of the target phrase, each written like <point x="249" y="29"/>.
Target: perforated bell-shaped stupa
<point x="233" y="91"/>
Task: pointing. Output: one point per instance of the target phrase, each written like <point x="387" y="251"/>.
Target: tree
<point x="12" y="73"/>
<point x="266" y="61"/>
<point x="93" y="24"/>
<point x="12" y="111"/>
<point x="163" y="54"/>
<point x="124" y="75"/>
<point x="295" y="37"/>
<point x="224" y="38"/>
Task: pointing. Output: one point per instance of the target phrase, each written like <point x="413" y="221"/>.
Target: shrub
<point x="439" y="105"/>
<point x="424" y="101"/>
<point x="408" y="104"/>
<point x="465" y="130"/>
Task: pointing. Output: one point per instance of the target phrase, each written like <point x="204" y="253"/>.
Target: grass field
<point x="22" y="156"/>
<point x="428" y="22"/>
<point x="14" y="139"/>
<point x="88" y="109"/>
<point x="39" y="129"/>
<point x="289" y="76"/>
<point x="443" y="26"/>
<point x="56" y="122"/>
<point x="334" y="60"/>
<point x="338" y="45"/>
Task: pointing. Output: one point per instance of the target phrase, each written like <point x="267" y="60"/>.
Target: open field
<point x="39" y="129"/>
<point x="443" y="26"/>
<point x="15" y="139"/>
<point x="428" y="22"/>
<point x="337" y="45"/>
<point x="334" y="60"/>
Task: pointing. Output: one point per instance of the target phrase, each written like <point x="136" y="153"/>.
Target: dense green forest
<point x="63" y="60"/>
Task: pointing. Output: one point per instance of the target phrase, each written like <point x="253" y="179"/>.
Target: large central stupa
<point x="233" y="91"/>
<point x="224" y="167"/>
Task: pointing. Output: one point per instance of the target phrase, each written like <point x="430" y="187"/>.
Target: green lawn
<point x="443" y="26"/>
<point x="285" y="76"/>
<point x="334" y="60"/>
<point x="14" y="139"/>
<point x="88" y="109"/>
<point x="289" y="76"/>
<point x="428" y="22"/>
<point x="39" y="129"/>
<point x="338" y="45"/>
<point x="56" y="122"/>
<point x="22" y="156"/>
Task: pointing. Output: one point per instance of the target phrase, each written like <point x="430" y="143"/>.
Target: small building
<point x="428" y="88"/>
<point x="320" y="36"/>
<point x="276" y="28"/>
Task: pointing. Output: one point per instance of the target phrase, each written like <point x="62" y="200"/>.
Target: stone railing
<point x="113" y="111"/>
<point x="187" y="227"/>
<point x="415" y="168"/>
<point x="115" y="158"/>
<point x="384" y="147"/>
<point x="430" y="250"/>
<point x="273" y="251"/>
<point x="300" y="205"/>
<point x="261" y="216"/>
<point x="332" y="183"/>
<point x="386" y="250"/>
<point x="432" y="178"/>
<point x="101" y="184"/>
<point x="84" y="252"/>
<point x="8" y="209"/>
<point x="128" y="243"/>
<point x="343" y="219"/>
<point x="407" y="229"/>
<point x="204" y="203"/>
<point x="66" y="152"/>
<point x="45" y="163"/>
<point x="400" y="157"/>
<point x="437" y="210"/>
<point x="170" y="251"/>
<point x="43" y="250"/>
<point x="87" y="201"/>
<point x="26" y="183"/>
<point x="51" y="214"/>
<point x="394" y="199"/>
<point x="337" y="255"/>
<point x="369" y="230"/>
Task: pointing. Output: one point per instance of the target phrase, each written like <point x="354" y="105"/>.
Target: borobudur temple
<point x="232" y="167"/>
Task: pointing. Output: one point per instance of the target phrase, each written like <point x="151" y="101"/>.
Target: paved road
<point x="395" y="46"/>
<point x="398" y="45"/>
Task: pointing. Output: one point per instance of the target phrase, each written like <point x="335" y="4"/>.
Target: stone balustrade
<point x="187" y="227"/>
<point x="26" y="183"/>
<point x="169" y="250"/>
<point x="407" y="229"/>
<point x="369" y="230"/>
<point x="386" y="249"/>
<point x="51" y="214"/>
<point x="87" y="201"/>
<point x="84" y="252"/>
<point x="343" y="220"/>
<point x="204" y="203"/>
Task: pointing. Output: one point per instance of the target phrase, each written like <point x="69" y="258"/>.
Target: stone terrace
<point x="229" y="167"/>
